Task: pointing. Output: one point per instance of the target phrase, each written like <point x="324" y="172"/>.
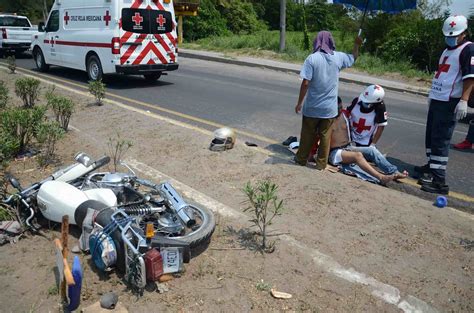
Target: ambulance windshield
<point x="144" y="21"/>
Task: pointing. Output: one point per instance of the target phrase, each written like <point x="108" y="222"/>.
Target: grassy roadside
<point x="266" y="44"/>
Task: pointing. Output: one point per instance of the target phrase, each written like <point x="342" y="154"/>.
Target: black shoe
<point x="426" y="178"/>
<point x="435" y="187"/>
<point x="422" y="169"/>
<point x="289" y="140"/>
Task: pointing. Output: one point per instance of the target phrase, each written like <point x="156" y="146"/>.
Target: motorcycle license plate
<point x="172" y="260"/>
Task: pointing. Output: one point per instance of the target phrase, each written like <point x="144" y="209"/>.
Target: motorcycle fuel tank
<point x="56" y="199"/>
<point x="106" y="196"/>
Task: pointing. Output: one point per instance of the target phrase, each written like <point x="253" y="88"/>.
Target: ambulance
<point x="134" y="37"/>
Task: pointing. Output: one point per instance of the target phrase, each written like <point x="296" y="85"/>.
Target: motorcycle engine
<point x="115" y="181"/>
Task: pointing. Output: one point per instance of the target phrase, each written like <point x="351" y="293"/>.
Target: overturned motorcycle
<point x="140" y="228"/>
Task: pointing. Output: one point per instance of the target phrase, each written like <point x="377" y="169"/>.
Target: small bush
<point x="9" y="147"/>
<point x="3" y="95"/>
<point x="18" y="126"/>
<point x="264" y="204"/>
<point x="48" y="134"/>
<point x="11" y="64"/>
<point x="117" y="147"/>
<point x="27" y="89"/>
<point x="62" y="107"/>
<point x="97" y="89"/>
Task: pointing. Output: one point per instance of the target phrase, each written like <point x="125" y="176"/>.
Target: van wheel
<point x="94" y="68"/>
<point x="152" y="77"/>
<point x="39" y="60"/>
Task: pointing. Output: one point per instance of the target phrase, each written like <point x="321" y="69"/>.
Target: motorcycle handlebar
<point x="101" y="162"/>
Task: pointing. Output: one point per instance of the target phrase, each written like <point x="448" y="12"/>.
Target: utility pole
<point x="282" y="24"/>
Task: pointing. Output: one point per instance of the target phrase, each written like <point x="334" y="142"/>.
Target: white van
<point x="136" y="37"/>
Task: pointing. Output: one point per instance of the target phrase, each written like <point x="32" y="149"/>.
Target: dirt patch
<point x="395" y="238"/>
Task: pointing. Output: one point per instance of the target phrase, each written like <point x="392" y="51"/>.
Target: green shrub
<point x="11" y="64"/>
<point x="117" y="147"/>
<point x="62" y="107"/>
<point x="9" y="147"/>
<point x="18" y="126"/>
<point x="264" y="205"/>
<point x="97" y="89"/>
<point x="27" y="89"/>
<point x="3" y="95"/>
<point x="48" y="134"/>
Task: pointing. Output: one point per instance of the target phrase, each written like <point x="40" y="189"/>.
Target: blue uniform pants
<point x="470" y="132"/>
<point x="439" y="130"/>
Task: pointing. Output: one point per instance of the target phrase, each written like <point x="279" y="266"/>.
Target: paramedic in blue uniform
<point x="450" y="90"/>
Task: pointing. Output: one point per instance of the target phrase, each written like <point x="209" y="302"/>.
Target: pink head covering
<point x="324" y="42"/>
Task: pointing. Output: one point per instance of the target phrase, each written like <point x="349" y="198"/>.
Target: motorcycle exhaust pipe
<point x="177" y="204"/>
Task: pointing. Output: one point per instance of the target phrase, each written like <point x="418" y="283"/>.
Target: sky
<point x="461" y="6"/>
<point x="457" y="6"/>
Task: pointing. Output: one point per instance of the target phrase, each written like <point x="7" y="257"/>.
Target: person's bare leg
<point x="349" y="157"/>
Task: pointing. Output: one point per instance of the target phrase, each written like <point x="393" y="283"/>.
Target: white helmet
<point x="372" y="94"/>
<point x="224" y="139"/>
<point x="454" y="25"/>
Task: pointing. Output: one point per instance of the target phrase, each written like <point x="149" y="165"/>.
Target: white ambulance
<point x="136" y="37"/>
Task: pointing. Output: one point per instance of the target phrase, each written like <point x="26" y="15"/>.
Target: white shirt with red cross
<point x="447" y="81"/>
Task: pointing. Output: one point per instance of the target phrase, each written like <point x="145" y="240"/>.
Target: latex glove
<point x="461" y="110"/>
<point x="470" y="110"/>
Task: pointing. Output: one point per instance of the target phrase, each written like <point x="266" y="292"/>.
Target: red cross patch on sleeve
<point x="385" y="115"/>
<point x="472" y="60"/>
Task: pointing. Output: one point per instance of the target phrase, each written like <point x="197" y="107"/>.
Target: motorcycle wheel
<point x="104" y="219"/>
<point x="200" y="237"/>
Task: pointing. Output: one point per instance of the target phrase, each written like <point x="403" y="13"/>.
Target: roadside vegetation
<point x="409" y="43"/>
<point x="31" y="124"/>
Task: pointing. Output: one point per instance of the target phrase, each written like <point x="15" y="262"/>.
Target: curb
<point x="187" y="54"/>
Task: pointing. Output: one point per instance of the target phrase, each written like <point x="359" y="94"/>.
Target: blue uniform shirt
<point x="322" y="70"/>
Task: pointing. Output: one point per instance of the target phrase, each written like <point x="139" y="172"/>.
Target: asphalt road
<point x="262" y="102"/>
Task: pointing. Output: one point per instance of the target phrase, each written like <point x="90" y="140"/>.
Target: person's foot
<point x="294" y="160"/>
<point x="436" y="187"/>
<point x="422" y="169"/>
<point x="426" y="178"/>
<point x="400" y="175"/>
<point x="385" y="179"/>
<point x="466" y="144"/>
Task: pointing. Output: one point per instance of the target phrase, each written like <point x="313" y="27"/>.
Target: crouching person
<point x="340" y="151"/>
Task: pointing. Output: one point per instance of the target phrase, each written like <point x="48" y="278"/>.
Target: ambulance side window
<point x="53" y="22"/>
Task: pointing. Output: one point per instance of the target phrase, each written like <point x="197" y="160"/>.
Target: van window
<point x="14" y="21"/>
<point x="146" y="21"/>
<point x="53" y="22"/>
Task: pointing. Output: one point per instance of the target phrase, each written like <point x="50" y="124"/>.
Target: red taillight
<point x="116" y="45"/>
<point x="153" y="265"/>
<point x="4" y="33"/>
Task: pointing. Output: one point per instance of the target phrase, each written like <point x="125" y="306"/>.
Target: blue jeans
<point x="372" y="154"/>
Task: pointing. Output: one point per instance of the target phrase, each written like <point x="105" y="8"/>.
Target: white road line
<point x="420" y="124"/>
<point x="385" y="292"/>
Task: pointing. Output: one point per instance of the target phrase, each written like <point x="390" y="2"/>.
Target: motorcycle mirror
<point x="15" y="183"/>
<point x="83" y="158"/>
<point x="128" y="167"/>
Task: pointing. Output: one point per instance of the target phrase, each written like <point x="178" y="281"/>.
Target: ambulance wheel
<point x="39" y="60"/>
<point x="94" y="68"/>
<point x="152" y="77"/>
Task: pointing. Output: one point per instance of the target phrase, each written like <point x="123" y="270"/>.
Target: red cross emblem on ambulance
<point x="161" y="20"/>
<point x="137" y="18"/>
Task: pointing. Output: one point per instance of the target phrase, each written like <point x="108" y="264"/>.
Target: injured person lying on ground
<point x="354" y="162"/>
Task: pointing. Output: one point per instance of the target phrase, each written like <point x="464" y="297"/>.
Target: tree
<point x="209" y="22"/>
<point x="240" y="17"/>
<point x="433" y="8"/>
